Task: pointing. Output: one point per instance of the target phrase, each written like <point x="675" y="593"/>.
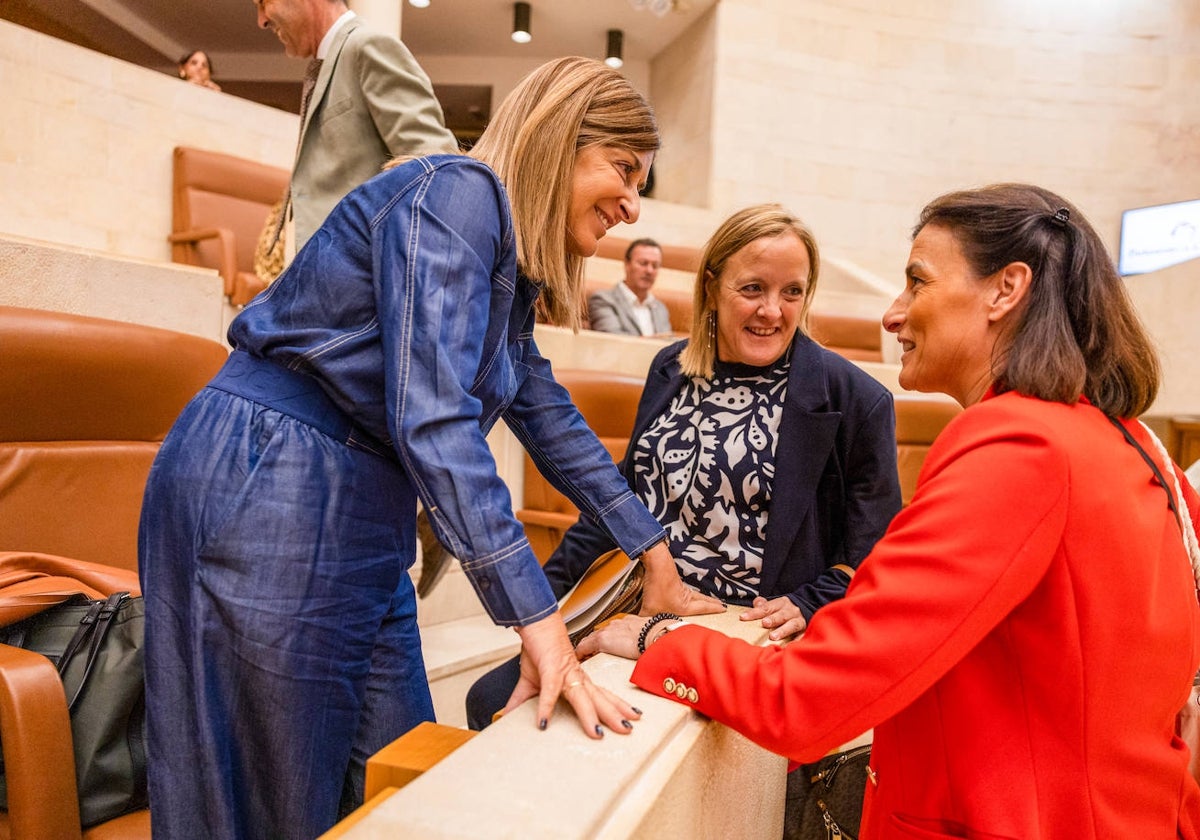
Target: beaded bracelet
<point x="650" y="622"/>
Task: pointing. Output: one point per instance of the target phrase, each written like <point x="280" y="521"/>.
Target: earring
<point x="712" y="328"/>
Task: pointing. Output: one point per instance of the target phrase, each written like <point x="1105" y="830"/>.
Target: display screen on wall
<point x="1159" y="236"/>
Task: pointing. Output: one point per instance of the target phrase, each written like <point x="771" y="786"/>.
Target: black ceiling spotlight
<point x="612" y="54"/>
<point x="521" y="14"/>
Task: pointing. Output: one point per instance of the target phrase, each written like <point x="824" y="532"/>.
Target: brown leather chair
<point x="678" y="257"/>
<point x="919" y="420"/>
<point x="84" y="405"/>
<point x="1183" y="439"/>
<point x="679" y="307"/>
<point x="857" y="339"/>
<point x="219" y="205"/>
<point x="608" y="402"/>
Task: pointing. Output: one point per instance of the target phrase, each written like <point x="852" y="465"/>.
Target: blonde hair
<point x="734" y="234"/>
<point x="531" y="143"/>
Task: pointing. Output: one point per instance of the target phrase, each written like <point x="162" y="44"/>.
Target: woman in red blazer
<point x="1026" y="631"/>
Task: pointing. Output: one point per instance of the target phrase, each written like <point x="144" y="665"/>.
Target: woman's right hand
<point x="550" y="669"/>
<point x="618" y="636"/>
<point x="663" y="591"/>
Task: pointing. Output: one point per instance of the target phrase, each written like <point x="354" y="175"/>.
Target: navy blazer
<point x="836" y="486"/>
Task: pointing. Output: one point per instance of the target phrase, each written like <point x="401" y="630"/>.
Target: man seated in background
<point x="629" y="307"/>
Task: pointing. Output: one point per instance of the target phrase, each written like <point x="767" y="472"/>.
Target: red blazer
<point x="1021" y="639"/>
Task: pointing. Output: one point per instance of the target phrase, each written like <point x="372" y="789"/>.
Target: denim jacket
<point x="407" y="307"/>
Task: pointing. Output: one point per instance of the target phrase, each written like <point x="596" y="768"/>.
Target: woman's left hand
<point x="779" y="615"/>
<point x="663" y="591"/>
<point x="550" y="669"/>
<point x="618" y="636"/>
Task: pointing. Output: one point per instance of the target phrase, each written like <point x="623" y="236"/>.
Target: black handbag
<point x="97" y="648"/>
<point x="825" y="799"/>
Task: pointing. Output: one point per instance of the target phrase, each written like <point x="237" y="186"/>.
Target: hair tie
<point x="1061" y="216"/>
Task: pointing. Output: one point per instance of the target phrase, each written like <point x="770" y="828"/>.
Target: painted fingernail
<point x="626" y="724"/>
<point x="543" y="723"/>
<point x="600" y="730"/>
<point x="636" y="710"/>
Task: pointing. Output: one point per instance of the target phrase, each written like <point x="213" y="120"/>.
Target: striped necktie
<point x="310" y="81"/>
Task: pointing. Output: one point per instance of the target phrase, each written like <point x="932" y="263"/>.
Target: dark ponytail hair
<point x="1078" y="332"/>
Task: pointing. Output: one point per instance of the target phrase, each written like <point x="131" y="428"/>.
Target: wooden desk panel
<point x="1184" y="443"/>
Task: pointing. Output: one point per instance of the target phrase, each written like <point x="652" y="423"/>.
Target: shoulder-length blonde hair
<point x="734" y="234"/>
<point x="531" y="143"/>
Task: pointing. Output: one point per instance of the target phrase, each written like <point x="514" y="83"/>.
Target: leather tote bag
<point x="96" y="644"/>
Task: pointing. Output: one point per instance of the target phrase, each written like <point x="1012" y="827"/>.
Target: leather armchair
<point x="39" y="760"/>
<point x="84" y="405"/>
<point x="608" y="402"/>
<point x="856" y="338"/>
<point x="219" y="206"/>
<point x="919" y="420"/>
<point x="677" y="257"/>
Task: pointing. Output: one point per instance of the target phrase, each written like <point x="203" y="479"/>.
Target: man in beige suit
<point x="370" y="100"/>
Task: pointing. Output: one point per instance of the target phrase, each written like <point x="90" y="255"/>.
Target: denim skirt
<point x="282" y="647"/>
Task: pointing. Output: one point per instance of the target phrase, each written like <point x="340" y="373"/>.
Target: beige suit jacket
<point x="371" y="101"/>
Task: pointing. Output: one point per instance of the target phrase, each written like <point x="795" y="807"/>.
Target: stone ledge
<point x="677" y="773"/>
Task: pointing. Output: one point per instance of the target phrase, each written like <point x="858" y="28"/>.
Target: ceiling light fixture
<point x="612" y="53"/>
<point x="659" y="7"/>
<point x="420" y="4"/>
<point x="521" y="14"/>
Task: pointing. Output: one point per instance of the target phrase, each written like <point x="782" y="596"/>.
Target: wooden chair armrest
<point x="193" y="235"/>
<point x="39" y="755"/>
<point x="546" y="518"/>
<point x="227" y="261"/>
<point x="245" y="288"/>
<point x="412" y="754"/>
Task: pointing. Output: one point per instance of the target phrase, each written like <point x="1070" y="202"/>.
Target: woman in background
<point x="1025" y="633"/>
<point x="195" y="67"/>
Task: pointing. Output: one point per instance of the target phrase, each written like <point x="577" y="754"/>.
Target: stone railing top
<point x="514" y="781"/>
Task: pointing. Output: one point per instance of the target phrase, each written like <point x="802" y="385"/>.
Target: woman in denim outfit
<point x="279" y="519"/>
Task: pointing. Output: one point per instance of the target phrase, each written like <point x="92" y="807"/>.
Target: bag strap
<point x="1132" y="441"/>
<point x="93" y="627"/>
<point x="1184" y="520"/>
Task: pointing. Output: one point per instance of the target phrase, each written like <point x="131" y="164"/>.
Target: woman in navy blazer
<point x="835" y="466"/>
<point x="835" y="486"/>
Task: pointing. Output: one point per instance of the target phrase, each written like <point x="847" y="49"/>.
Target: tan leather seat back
<point x="855" y="338"/>
<point x="679" y="307"/>
<point x="678" y="257"/>
<point x="84" y="405"/>
<point x="919" y="420"/>
<point x="608" y="402"/>
<point x="216" y="190"/>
